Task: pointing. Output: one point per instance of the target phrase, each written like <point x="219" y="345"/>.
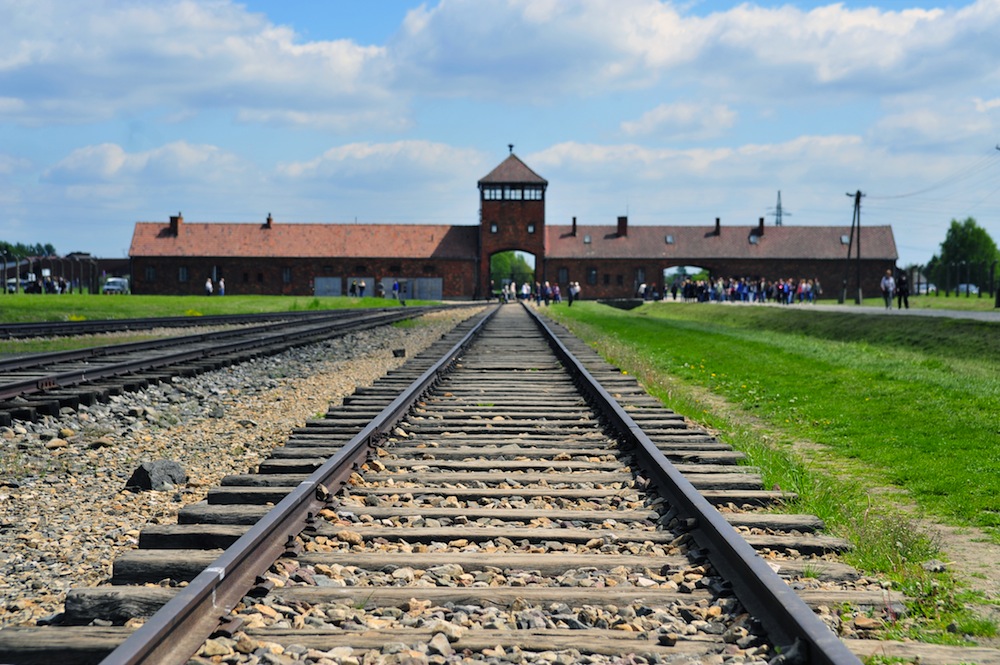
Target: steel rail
<point x="180" y="627"/>
<point x="36" y="359"/>
<point x="790" y="623"/>
<point x="72" y="328"/>
<point x="208" y="344"/>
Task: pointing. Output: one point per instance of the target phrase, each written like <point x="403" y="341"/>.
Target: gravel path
<point x="64" y="511"/>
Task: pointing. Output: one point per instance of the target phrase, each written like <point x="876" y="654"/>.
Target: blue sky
<point x="390" y="111"/>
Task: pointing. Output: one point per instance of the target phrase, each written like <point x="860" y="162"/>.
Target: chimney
<point x="573" y="233"/>
<point x="175" y="223"/>
<point x="718" y="226"/>
<point x="760" y="227"/>
<point x="622" y="227"/>
<point x="268" y="221"/>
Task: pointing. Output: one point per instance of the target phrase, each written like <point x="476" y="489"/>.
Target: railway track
<point x="43" y="383"/>
<point x="101" y="326"/>
<point x="505" y="502"/>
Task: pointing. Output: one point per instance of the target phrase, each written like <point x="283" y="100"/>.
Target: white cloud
<point x="75" y="63"/>
<point x="986" y="105"/>
<point x="538" y="49"/>
<point x="71" y="63"/>
<point x="682" y="120"/>
<point x="418" y="161"/>
<point x="109" y="164"/>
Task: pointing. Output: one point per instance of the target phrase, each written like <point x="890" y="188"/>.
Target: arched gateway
<point x="453" y="261"/>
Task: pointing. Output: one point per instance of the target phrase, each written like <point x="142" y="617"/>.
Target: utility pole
<point x="855" y="235"/>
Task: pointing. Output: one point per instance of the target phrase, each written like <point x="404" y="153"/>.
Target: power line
<point x="979" y="166"/>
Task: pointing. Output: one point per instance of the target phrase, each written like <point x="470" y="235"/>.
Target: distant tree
<point x="966" y="242"/>
<point x="510" y="265"/>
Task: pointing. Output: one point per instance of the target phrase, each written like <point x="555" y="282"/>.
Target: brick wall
<point x="253" y="276"/>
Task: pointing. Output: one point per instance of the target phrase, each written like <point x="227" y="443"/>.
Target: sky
<point x="114" y="112"/>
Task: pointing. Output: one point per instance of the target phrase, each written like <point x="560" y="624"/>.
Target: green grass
<point x="20" y="307"/>
<point x="860" y="414"/>
<point x="913" y="400"/>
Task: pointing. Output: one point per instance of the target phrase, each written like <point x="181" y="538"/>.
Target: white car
<point x="971" y="289"/>
<point x="115" y="285"/>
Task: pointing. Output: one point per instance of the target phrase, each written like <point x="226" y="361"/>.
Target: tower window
<point x="531" y="227"/>
<point x="494" y="227"/>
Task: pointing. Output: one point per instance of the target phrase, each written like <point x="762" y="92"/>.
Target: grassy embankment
<point x="859" y="414"/>
<point x="18" y="308"/>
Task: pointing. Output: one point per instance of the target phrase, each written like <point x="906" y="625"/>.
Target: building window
<point x="533" y="193"/>
<point x="563" y="276"/>
<point x="620" y="280"/>
<point x="492" y="193"/>
<point x="150" y="274"/>
<point x="494" y="227"/>
<point x="246" y="278"/>
<point x="586" y="239"/>
<point x="396" y="268"/>
<point x="182" y="274"/>
<point x="429" y="268"/>
<point x="607" y="279"/>
<point x="286" y="275"/>
<point x="592" y="276"/>
<point x="640" y="275"/>
<point x="513" y="193"/>
<point x="531" y="227"/>
<point x="260" y="278"/>
<point x="669" y="239"/>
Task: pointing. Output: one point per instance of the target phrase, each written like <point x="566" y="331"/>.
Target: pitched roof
<point x="700" y="242"/>
<point x="200" y="239"/>
<point x="512" y="171"/>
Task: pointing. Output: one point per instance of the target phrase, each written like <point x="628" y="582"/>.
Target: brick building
<point x="439" y="261"/>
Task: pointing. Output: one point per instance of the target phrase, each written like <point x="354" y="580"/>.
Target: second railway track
<point x="507" y="516"/>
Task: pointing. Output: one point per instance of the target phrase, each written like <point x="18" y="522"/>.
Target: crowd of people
<point x="543" y="293"/>
<point x="780" y="291"/>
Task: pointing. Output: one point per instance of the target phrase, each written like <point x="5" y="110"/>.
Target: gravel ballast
<point x="65" y="512"/>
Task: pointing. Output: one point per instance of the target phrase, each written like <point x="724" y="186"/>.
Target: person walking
<point x="903" y="291"/>
<point x="208" y="286"/>
<point x="888" y="285"/>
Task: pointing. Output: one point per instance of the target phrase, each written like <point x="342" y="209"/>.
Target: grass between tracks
<point x="21" y="308"/>
<point x="832" y="405"/>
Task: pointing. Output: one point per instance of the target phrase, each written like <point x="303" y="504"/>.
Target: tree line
<point x="965" y="243"/>
<point x="22" y="251"/>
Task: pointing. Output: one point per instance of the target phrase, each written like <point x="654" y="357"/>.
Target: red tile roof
<point x="700" y="242"/>
<point x="512" y="171"/>
<point x="305" y="240"/>
<point x="422" y="241"/>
